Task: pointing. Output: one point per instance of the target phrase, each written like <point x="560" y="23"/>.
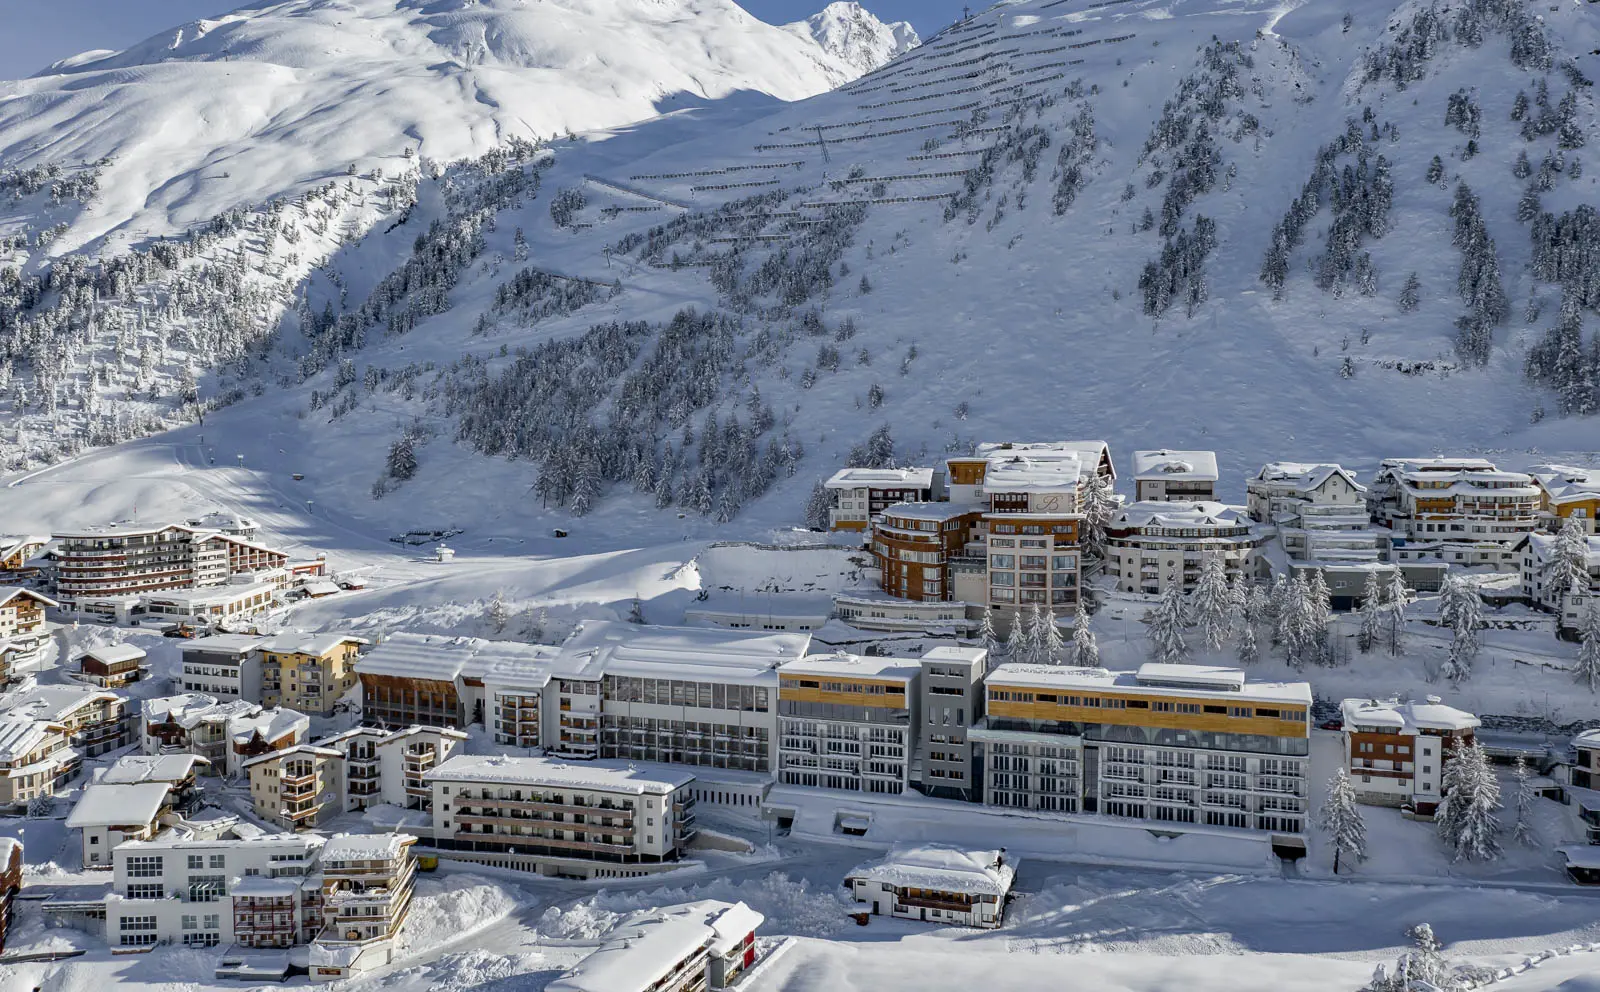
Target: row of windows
<point x="677" y="692"/>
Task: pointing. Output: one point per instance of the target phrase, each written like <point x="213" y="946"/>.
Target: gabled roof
<point x="133" y="769"/>
<point x="20" y="734"/>
<point x="1567" y="483"/>
<point x="943" y="868"/>
<point x="110" y="654"/>
<point x="643" y="949"/>
<point x="1305" y="477"/>
<point x="118" y="805"/>
<point x="313" y="750"/>
<point x="1198" y="513"/>
<point x="55" y="702"/>
<point x="444" y="659"/>
<point x="1408" y="717"/>
<point x="317" y="645"/>
<point x="8" y="593"/>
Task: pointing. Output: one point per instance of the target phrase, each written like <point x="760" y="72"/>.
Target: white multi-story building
<point x="366" y="894"/>
<point x="106" y="570"/>
<point x="1175" y="744"/>
<point x="595" y="818"/>
<point x="685" y="695"/>
<point x="1550" y="592"/>
<point x="1459" y="511"/>
<point x="1567" y="492"/>
<point x="36" y="759"/>
<point x="1395" y="752"/>
<point x="304" y="786"/>
<point x="107" y="814"/>
<point x="1151" y="545"/>
<point x="1320" y="514"/>
<point x="1166" y="475"/>
<point x="223" y="665"/>
<point x="22" y="624"/>
<point x="857" y="495"/>
<point x="96" y="721"/>
<point x="687" y="948"/>
<point x="848" y="722"/>
<point x="178" y="889"/>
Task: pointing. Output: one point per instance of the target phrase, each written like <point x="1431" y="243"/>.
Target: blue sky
<point x="36" y="33"/>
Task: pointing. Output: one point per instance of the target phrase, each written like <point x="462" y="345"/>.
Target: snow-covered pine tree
<point x="1461" y="611"/>
<point x="1568" y="564"/>
<point x="1587" y="667"/>
<point x="1340" y="817"/>
<point x="1395" y="596"/>
<point x="1166" y="623"/>
<point x="1423" y="966"/>
<point x="1085" y="647"/>
<point x="1468" y="820"/>
<point x="1272" y="611"/>
<point x="986" y="635"/>
<point x="1319" y="609"/>
<point x="498" y="614"/>
<point x="1018" y="648"/>
<point x="1371" y="613"/>
<point x="1296" y="624"/>
<point x="1099" y="507"/>
<point x="1410" y="294"/>
<point x="1212" y="602"/>
<point x="636" y="611"/>
<point x="1523" y="830"/>
<point x="1249" y="650"/>
<point x="1051" y="645"/>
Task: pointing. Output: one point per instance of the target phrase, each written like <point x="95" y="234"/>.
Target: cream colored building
<point x="308" y="672"/>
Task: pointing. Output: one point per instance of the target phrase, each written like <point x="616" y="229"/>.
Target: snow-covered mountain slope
<point x="853" y="35"/>
<point x="1056" y="219"/>
<point x="278" y="97"/>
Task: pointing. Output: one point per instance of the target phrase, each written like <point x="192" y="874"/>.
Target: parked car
<point x="1331" y="725"/>
<point x="181" y="630"/>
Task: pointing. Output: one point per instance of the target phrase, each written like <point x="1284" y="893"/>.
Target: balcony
<point x="927" y="902"/>
<point x="571" y="845"/>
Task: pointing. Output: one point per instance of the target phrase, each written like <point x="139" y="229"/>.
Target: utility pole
<point x="823" y="144"/>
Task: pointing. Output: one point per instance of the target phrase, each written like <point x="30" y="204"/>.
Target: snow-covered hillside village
<point x="631" y="496"/>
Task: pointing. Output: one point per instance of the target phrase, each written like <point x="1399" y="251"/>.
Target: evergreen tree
<point x="1568" y="564"/>
<point x="1395" y="596"/>
<point x="1166" y="623"/>
<point x="1099" y="508"/>
<point x="498" y="614"/>
<point x="1319" y="607"/>
<point x="1212" y="602"/>
<point x="1018" y="648"/>
<point x="1371" y="613"/>
<point x="1249" y="651"/>
<point x="1277" y="603"/>
<point x="636" y="611"/>
<point x="1340" y="818"/>
<point x="1468" y="820"/>
<point x="1461" y="611"/>
<point x="1523" y="830"/>
<point x="986" y="635"/>
<point x="1410" y="294"/>
<point x="1587" y="667"/>
<point x="1085" y="648"/>
<point x="1049" y="638"/>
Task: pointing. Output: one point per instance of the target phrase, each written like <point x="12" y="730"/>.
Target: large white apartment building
<point x="226" y="666"/>
<point x="691" y="696"/>
<point x="1459" y="511"/>
<point x="1320" y="513"/>
<point x="1395" y="752"/>
<point x="1182" y="744"/>
<point x="848" y="722"/>
<point x="1151" y="545"/>
<point x="105" y="569"/>
<point x="594" y="818"/>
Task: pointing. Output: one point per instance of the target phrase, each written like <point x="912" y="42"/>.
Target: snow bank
<point x="450" y="907"/>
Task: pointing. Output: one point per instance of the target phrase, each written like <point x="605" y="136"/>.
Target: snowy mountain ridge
<point x="1276" y="234"/>
<point x="854" y="35"/>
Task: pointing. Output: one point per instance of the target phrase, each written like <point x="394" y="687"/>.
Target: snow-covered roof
<point x="244" y="834"/>
<point x="955" y="654"/>
<point x="647" y="946"/>
<point x="103" y="805"/>
<point x="444" y="659"/>
<point x="1462" y="474"/>
<point x="1089" y="454"/>
<point x="1406" y="718"/>
<point x="224" y="520"/>
<point x="601" y="776"/>
<point x="1192" y="514"/>
<point x="942" y="868"/>
<point x="1304" y="477"/>
<point x="10" y="544"/>
<point x="311" y="750"/>
<point x="209" y="595"/>
<point x="1027" y="471"/>
<point x="111" y="654"/>
<point x="938" y="511"/>
<point x="54" y="702"/>
<point x="189" y="709"/>
<point x="20" y="734"/>
<point x="1208" y="677"/>
<point x="609" y="647"/>
<point x="224" y="643"/>
<point x="7" y="846"/>
<point x="132" y="769"/>
<point x="1542" y="545"/>
<point x="1167" y="465"/>
<point x="321" y="587"/>
<point x="263" y="886"/>
<point x="860" y="666"/>
<point x="881" y="478"/>
<point x="1588" y="739"/>
<point x="8" y="593"/>
<point x="1567" y="483"/>
<point x="270" y="724"/>
<point x="316" y="645"/>
<point x="365" y="847"/>
<point x="1060" y="677"/>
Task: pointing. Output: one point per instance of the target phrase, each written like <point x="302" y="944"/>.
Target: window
<point x="191" y="922"/>
<point x="197" y="861"/>
<point x="213" y="920"/>
<point x="219" y="860"/>
<point x="148" y="866"/>
<point x="147" y="890"/>
<point x="1002" y="561"/>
